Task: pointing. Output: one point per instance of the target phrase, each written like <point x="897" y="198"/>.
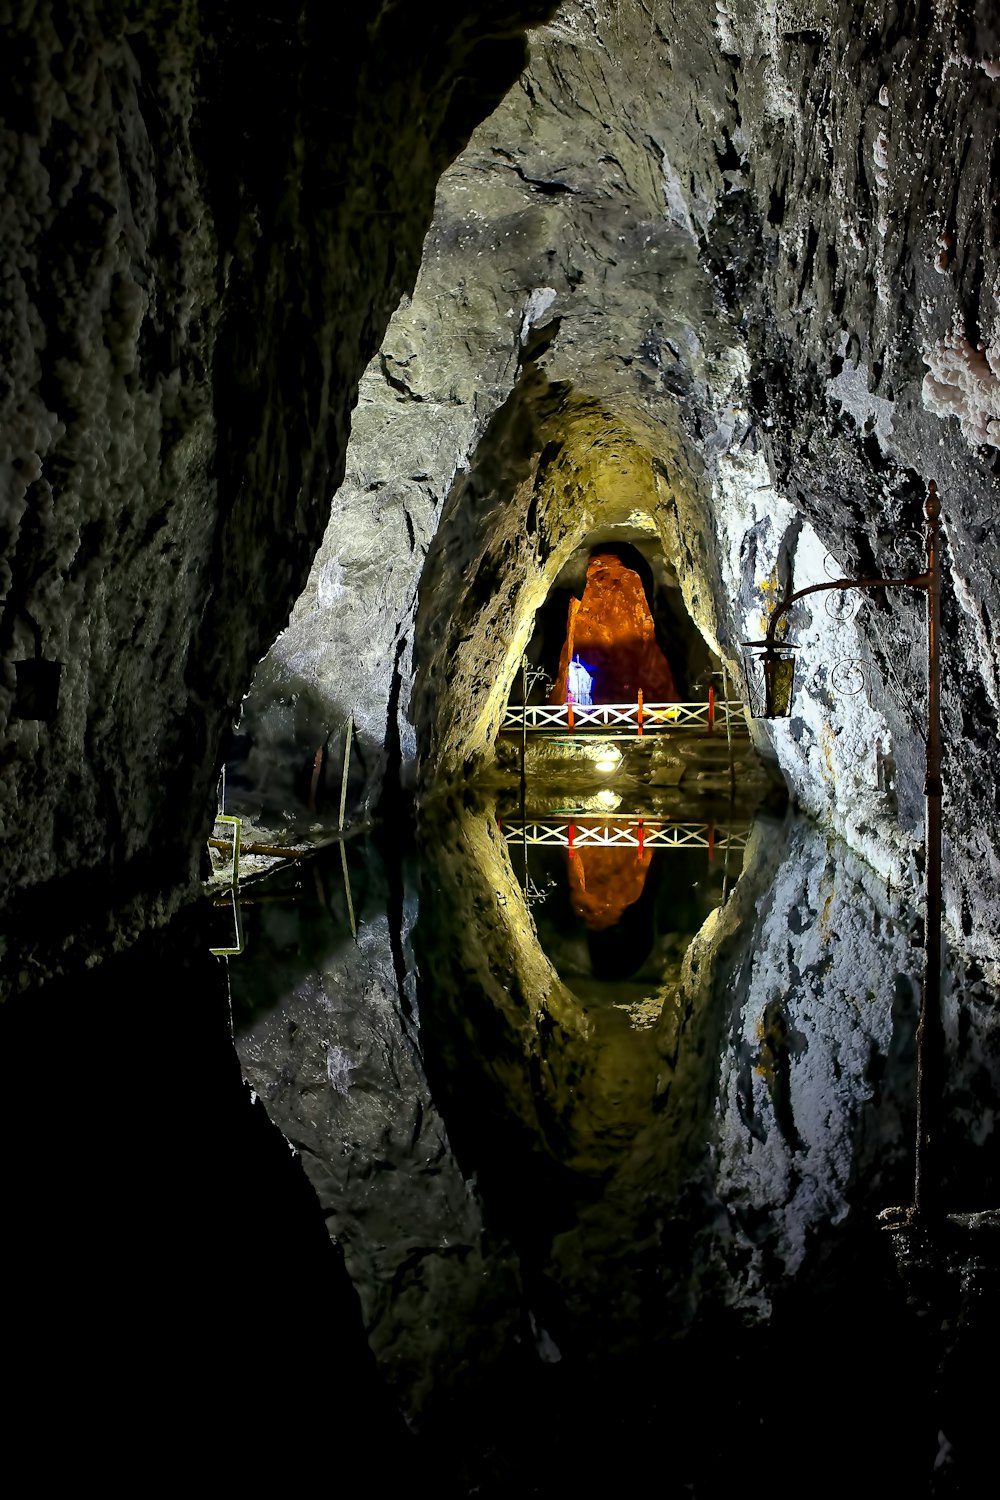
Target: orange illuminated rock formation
<point x="612" y="630"/>
<point x="603" y="882"/>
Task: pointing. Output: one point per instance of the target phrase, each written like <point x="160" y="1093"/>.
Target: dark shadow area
<point x="164" y="1255"/>
<point x="544" y="1220"/>
<point x="284" y="760"/>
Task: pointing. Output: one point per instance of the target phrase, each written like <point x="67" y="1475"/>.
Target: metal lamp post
<point x="770" y="680"/>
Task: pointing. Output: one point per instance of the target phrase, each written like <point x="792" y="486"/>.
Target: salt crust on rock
<point x="964" y="382"/>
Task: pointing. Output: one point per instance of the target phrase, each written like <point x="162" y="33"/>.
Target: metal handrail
<point x="236" y="825"/>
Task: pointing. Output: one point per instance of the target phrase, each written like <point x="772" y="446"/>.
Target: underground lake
<point x="585" y="1190"/>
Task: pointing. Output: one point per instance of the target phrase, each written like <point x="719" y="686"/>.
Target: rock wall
<point x="764" y="246"/>
<point x="209" y="214"/>
<point x="869" y="177"/>
<point x="759" y="248"/>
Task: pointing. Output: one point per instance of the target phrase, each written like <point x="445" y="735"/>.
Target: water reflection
<point x="616" y="899"/>
<point x="534" y="1165"/>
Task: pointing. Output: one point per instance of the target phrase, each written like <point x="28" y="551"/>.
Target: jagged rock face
<point x="717" y="277"/>
<point x="878" y="236"/>
<point x="210" y="213"/>
<point x="456" y="417"/>
<point x="745" y="241"/>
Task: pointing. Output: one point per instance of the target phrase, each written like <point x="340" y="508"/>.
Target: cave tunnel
<point x="560" y="487"/>
<point x="635" y="605"/>
<point x="352" y="358"/>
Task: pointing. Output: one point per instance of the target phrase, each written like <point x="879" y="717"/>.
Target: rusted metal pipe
<point x="314" y="783"/>
<point x="918" y="581"/>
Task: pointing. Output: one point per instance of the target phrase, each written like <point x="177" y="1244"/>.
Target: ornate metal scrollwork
<point x="535" y="677"/>
<point x="842" y="606"/>
<point x="849" y="675"/>
<point x="534" y="893"/>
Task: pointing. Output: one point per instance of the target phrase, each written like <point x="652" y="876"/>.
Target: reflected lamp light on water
<point x="607" y="758"/>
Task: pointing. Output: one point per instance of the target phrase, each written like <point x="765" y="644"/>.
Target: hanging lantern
<point x="36" y="691"/>
<point x="770" y="677"/>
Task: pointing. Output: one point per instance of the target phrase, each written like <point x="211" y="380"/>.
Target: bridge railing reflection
<point x="583" y="830"/>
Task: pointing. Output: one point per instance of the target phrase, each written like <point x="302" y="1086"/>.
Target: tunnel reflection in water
<point x="616" y="901"/>
<point x="604" y="883"/>
<point x="554" y="1216"/>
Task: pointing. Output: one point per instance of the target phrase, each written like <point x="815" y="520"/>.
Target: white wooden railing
<point x="655" y="718"/>
<point x="586" y="830"/>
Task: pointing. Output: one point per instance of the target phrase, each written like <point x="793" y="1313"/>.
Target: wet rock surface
<point x="337" y="1065"/>
<point x="203" y="243"/>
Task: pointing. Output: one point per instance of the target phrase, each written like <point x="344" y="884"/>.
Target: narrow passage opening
<point x="616" y="608"/>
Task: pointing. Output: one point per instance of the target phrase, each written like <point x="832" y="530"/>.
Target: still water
<point x="601" y="1112"/>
